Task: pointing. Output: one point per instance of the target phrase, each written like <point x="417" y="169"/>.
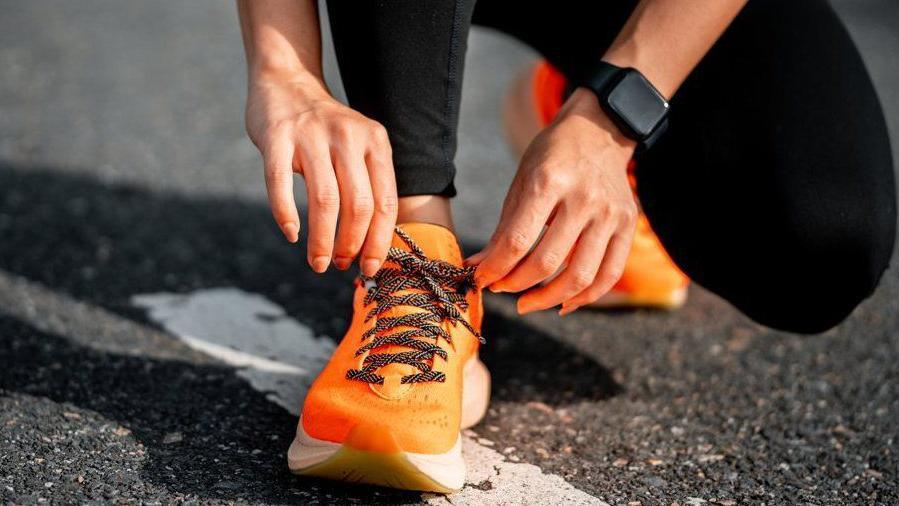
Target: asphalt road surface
<point x="133" y="223"/>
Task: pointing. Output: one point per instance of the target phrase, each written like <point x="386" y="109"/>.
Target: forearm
<point x="666" y="39"/>
<point x="281" y="37"/>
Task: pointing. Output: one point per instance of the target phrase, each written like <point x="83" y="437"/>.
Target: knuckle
<point x="517" y="241"/>
<point x="361" y="207"/>
<point x="581" y="279"/>
<point x="276" y="130"/>
<point x="545" y="178"/>
<point x="611" y="275"/>
<point x="615" y="213"/>
<point x="379" y="133"/>
<point x="622" y="212"/>
<point x="343" y="129"/>
<point x="595" y="196"/>
<point x="327" y="198"/>
<point x="616" y="271"/>
<point x="550" y="183"/>
<point x="629" y="214"/>
<point x="539" y="194"/>
<point x="388" y="205"/>
<point x="549" y="262"/>
<point x="604" y="209"/>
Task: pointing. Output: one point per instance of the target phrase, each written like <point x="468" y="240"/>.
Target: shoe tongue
<point x="437" y="242"/>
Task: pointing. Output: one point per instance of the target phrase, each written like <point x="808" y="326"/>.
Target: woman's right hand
<point x="345" y="159"/>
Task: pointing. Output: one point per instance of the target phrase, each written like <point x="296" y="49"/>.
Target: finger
<point x="380" y="233"/>
<point x="324" y="203"/>
<point x="577" y="275"/>
<point x="525" y="217"/>
<point x="278" y="164"/>
<point x="356" y="204"/>
<point x="546" y="259"/>
<point x="477" y="257"/>
<point x="609" y="273"/>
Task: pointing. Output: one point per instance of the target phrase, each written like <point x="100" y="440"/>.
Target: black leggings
<point x="773" y="186"/>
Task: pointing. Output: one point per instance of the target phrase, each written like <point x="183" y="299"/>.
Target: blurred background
<point x="125" y="171"/>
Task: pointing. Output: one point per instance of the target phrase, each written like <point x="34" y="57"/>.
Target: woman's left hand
<point x="573" y="181"/>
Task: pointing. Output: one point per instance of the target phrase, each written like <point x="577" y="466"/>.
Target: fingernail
<point x="320" y="264"/>
<point x="496" y="289"/>
<point x="290" y="231"/>
<point x="567" y="309"/>
<point x="525" y="307"/>
<point x="474" y="259"/>
<point x="370" y="267"/>
<point x="342" y="263"/>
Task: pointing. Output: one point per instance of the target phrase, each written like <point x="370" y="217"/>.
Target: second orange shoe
<point x="406" y="378"/>
<point x="650" y="277"/>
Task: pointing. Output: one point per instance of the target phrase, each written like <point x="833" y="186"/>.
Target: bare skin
<point x="426" y="209"/>
<point x="299" y="127"/>
<point x="569" y="210"/>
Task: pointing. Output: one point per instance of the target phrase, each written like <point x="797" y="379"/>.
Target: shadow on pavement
<point x="103" y="243"/>
<point x="232" y="440"/>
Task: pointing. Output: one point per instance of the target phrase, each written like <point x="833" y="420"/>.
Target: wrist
<point x="281" y="76"/>
<point x="583" y="104"/>
<point x="273" y="71"/>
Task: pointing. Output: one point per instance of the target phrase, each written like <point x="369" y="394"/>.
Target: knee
<point x="821" y="273"/>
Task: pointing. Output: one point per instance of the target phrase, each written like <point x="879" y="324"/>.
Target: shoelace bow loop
<point x="440" y="289"/>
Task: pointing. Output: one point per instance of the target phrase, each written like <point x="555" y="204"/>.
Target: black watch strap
<point x="602" y="76"/>
<point x="603" y="80"/>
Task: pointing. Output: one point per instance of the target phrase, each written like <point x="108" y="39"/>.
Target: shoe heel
<point x="475" y="392"/>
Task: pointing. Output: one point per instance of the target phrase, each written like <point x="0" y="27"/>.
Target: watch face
<point x="638" y="104"/>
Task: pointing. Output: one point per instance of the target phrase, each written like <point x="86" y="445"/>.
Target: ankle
<point x="425" y="209"/>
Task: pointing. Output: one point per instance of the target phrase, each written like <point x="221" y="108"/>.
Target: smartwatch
<point x="636" y="107"/>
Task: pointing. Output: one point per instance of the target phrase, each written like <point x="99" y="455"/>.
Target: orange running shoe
<point x="406" y="378"/>
<point x="650" y="278"/>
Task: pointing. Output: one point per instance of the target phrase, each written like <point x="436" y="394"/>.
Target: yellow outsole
<point x="375" y="468"/>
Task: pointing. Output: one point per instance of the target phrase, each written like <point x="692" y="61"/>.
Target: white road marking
<point x="280" y="357"/>
<point x="275" y="353"/>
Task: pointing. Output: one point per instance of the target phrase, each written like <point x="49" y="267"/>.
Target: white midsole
<point x="306" y="450"/>
<point x="475" y="392"/>
<point x="447" y="469"/>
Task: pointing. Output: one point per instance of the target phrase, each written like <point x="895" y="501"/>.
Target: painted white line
<point x="510" y="482"/>
<point x="276" y="354"/>
<point x="280" y="357"/>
